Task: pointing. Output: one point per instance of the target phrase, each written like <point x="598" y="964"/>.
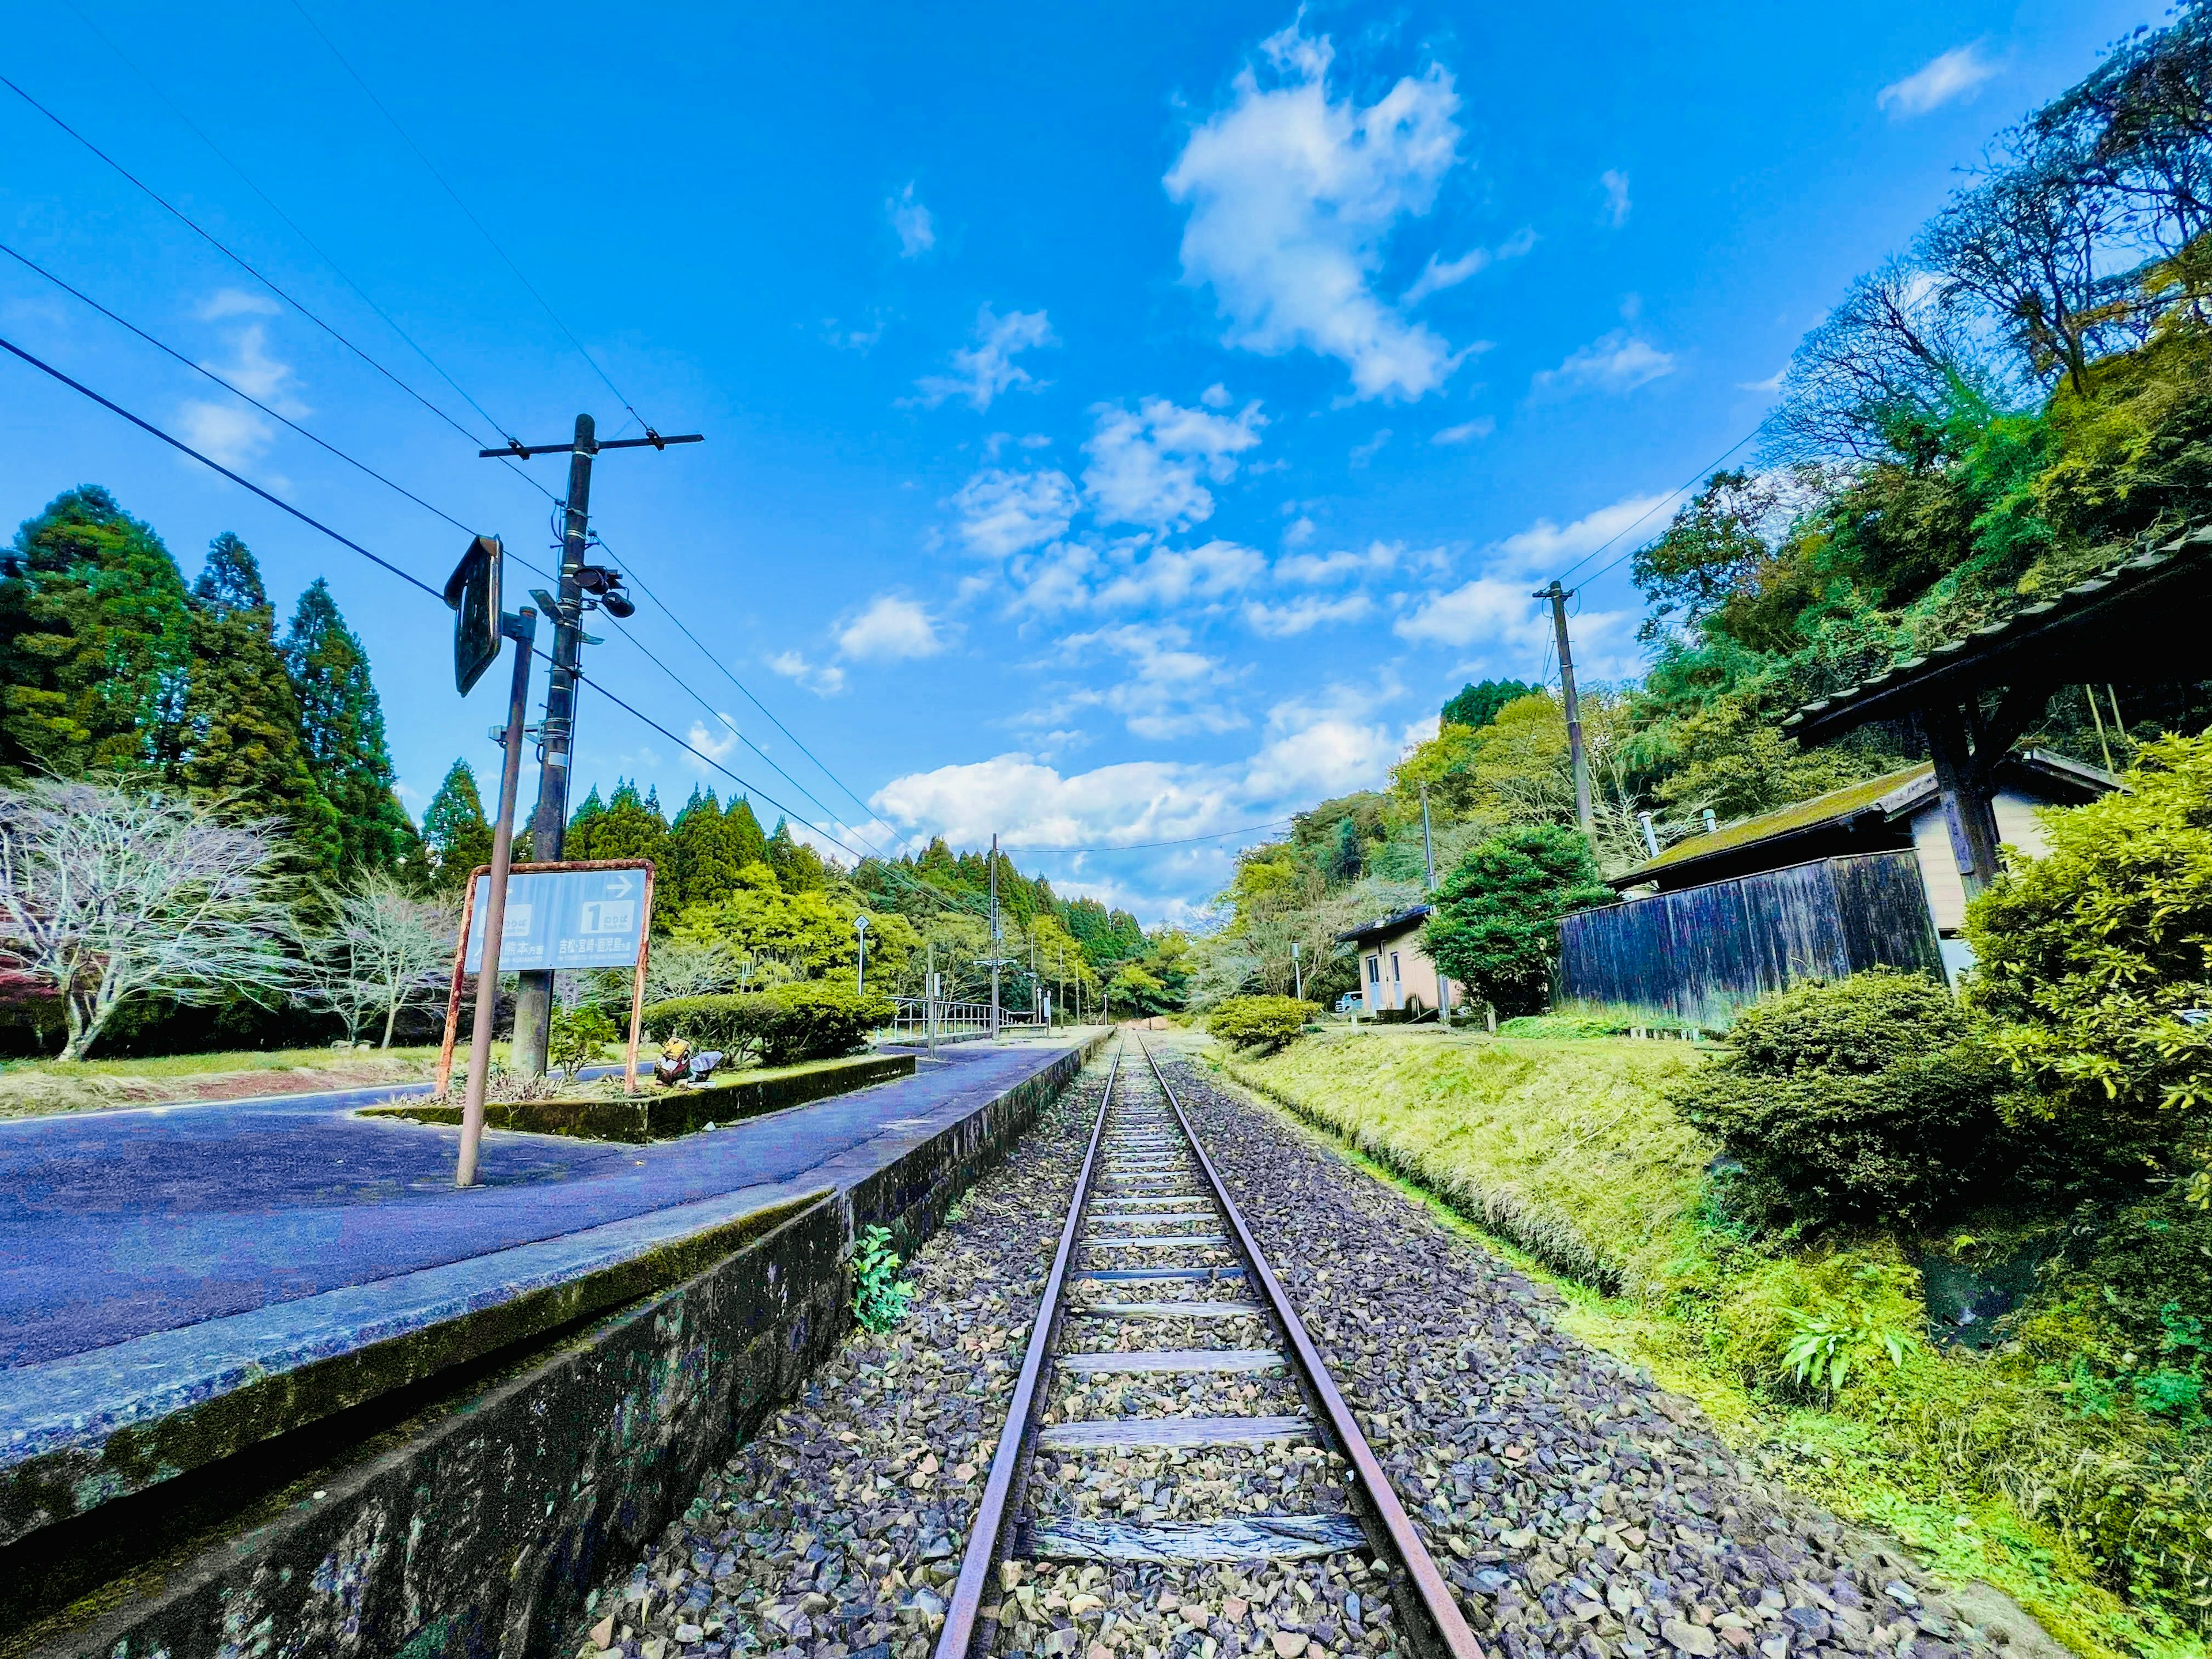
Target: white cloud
<point x="1614" y="183"/>
<point x="890" y="630"/>
<point x="1770" y="386"/>
<point x="256" y="373"/>
<point x="1293" y="196"/>
<point x="1617" y="362"/>
<point x="1002" y="513"/>
<point x="1319" y="569"/>
<point x="715" y="743"/>
<point x="1480" y="426"/>
<point x="1545" y="547"/>
<point x="1439" y="275"/>
<point x="917" y="234"/>
<point x="234" y="436"/>
<point x="1172" y="691"/>
<point x="1216" y="396"/>
<point x="1495" y="611"/>
<point x="1281" y="622"/>
<point x="982" y="371"/>
<point x="824" y="680"/>
<point x="1362" y="453"/>
<point x="237" y="302"/>
<point x="1145" y="467"/>
<point x="1518" y="243"/>
<point x="1172" y="576"/>
<point x="1956" y="74"/>
<point x="1301" y="530"/>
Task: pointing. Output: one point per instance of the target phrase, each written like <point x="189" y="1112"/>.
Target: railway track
<point x="1164" y="1337"/>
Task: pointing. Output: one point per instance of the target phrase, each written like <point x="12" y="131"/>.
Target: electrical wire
<point x="245" y="178"/>
<point x="240" y="260"/>
<point x="407" y="576"/>
<point x="1704" y="471"/>
<point x="1147" y="845"/>
<point x="201" y="368"/>
<point x="489" y="240"/>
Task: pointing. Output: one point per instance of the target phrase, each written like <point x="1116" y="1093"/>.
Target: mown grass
<point x="38" y="1088"/>
<point x="1562" y="1155"/>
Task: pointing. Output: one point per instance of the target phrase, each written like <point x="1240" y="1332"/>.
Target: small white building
<point x="1395" y="971"/>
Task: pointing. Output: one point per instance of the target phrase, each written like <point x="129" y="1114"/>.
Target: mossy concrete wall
<point x="480" y="1525"/>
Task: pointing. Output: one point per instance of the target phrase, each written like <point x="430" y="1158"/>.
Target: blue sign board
<point x="564" y="919"/>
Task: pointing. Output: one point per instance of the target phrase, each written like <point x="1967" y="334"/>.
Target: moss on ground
<point x="1559" y="1155"/>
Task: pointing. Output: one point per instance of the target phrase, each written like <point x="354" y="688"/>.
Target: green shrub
<point x="1495" y="926"/>
<point x="1869" y="1101"/>
<point x="879" y="1300"/>
<point x="2087" y="956"/>
<point x="810" y="1019"/>
<point x="1266" y="1024"/>
<point x="577" y="1035"/>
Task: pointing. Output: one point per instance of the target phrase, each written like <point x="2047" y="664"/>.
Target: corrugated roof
<point x="1383" y="924"/>
<point x="1833" y="807"/>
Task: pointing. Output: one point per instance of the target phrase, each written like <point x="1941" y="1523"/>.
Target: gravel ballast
<point x="1574" y="1506"/>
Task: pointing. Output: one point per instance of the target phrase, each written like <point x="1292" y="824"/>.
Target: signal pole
<point x="1558" y="596"/>
<point x="549" y="822"/>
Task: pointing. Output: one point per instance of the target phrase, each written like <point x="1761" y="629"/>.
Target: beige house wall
<point x="1395" y="968"/>
<point x="2017" y="827"/>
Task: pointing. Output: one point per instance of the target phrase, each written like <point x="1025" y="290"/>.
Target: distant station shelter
<point x="1395" y="973"/>
<point x="1880" y="874"/>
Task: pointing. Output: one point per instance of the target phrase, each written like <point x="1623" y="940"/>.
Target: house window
<point x="1394" y="967"/>
<point x="1374" y="970"/>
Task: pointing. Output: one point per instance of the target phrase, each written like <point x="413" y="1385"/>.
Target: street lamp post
<point x="860" y="976"/>
<point x="1297" y="976"/>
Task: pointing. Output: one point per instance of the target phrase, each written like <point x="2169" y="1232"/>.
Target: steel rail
<point x="987" y="1534"/>
<point x="1429" y="1585"/>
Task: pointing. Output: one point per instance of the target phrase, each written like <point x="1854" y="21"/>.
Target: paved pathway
<point x="117" y="1225"/>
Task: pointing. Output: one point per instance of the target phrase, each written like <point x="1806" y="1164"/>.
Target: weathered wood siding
<point x="1702" y="953"/>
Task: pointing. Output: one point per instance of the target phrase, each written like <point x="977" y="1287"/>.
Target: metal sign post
<point x="589" y="912"/>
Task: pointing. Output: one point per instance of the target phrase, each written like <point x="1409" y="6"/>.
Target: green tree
<point x="631" y="828"/>
<point x="1496" y="925"/>
<point x="704" y="848"/>
<point x="455" y="832"/>
<point x="1345" y="860"/>
<point x="799" y="868"/>
<point x="576" y="842"/>
<point x="95" y="642"/>
<point x="241" y="739"/>
<point x="1477" y="704"/>
<point x="342" y="729"/>
<point x="749" y="843"/>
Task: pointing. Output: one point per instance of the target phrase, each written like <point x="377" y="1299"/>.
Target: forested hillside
<point x="2017" y="399"/>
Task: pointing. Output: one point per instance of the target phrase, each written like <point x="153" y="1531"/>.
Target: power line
<point x="1147" y="845"/>
<point x="1702" y="472"/>
<point x="202" y="368"/>
<point x="431" y="168"/>
<point x="292" y="225"/>
<point x="247" y="266"/>
<point x="179" y="443"/>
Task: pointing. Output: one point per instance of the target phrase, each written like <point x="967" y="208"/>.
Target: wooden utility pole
<point x="995" y="937"/>
<point x="1558" y="596"/>
<point x="549" y="824"/>
<point x="1428" y="860"/>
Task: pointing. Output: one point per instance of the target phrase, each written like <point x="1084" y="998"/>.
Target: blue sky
<point x="1123" y="424"/>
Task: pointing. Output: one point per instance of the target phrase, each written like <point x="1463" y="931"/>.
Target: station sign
<point x="565" y="918"/>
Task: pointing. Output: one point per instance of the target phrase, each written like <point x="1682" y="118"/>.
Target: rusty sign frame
<point x="557" y="867"/>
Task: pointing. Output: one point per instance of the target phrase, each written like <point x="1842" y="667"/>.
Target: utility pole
<point x="995" y="937"/>
<point x="1297" y="977"/>
<point x="1429" y="862"/>
<point x="929" y="997"/>
<point x="549" y="824"/>
<point x="1558" y="596"/>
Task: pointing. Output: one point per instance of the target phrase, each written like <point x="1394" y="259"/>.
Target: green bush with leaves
<point x="1265" y="1023"/>
<point x="2088" y="957"/>
<point x="808" y="1019"/>
<point x="578" y="1036"/>
<point x="879" y="1300"/>
<point x="1869" y="1101"/>
<point x="1828" y="1342"/>
<point x="1495" y="926"/>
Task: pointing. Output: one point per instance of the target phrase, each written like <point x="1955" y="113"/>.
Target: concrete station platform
<point x="152" y="1260"/>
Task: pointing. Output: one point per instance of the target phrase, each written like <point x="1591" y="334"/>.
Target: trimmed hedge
<point x="1263" y="1023"/>
<point x="1871" y="1101"/>
<point x="811" y="1019"/>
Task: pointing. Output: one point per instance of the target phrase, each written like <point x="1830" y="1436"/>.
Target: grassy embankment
<point x="40" y="1088"/>
<point x="1566" y="1155"/>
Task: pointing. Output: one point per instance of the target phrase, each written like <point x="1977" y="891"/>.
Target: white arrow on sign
<point x="621" y="884"/>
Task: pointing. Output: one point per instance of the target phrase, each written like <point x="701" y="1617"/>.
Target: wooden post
<point x="637" y="985"/>
<point x="453" y="991"/>
<point x="1961" y="782"/>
